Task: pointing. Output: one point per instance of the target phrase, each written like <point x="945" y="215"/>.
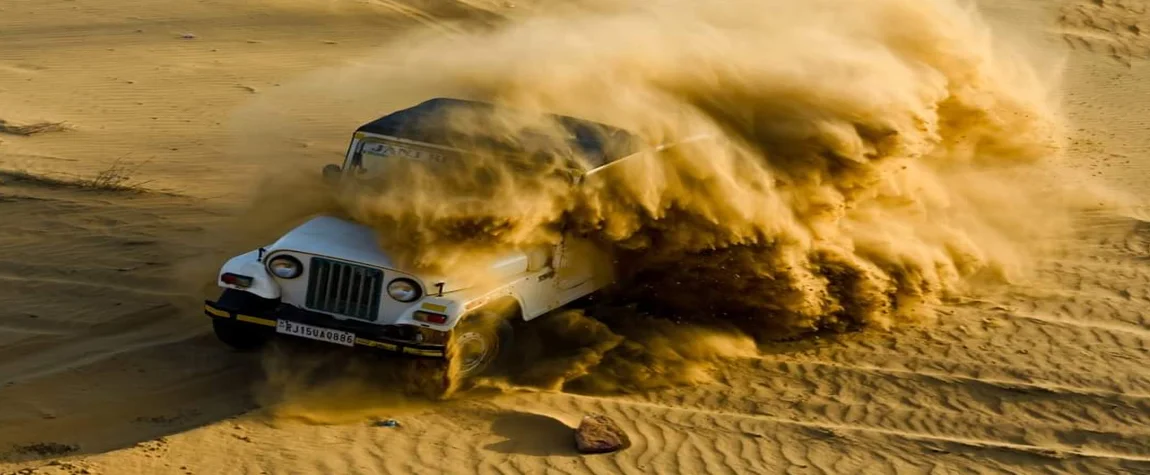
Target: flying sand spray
<point x="856" y="173"/>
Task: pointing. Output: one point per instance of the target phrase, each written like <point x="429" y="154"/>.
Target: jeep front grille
<point x="345" y="289"/>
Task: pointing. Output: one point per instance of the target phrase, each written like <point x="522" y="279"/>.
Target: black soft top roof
<point x="430" y="122"/>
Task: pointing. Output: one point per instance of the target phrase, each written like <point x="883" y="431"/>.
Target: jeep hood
<point x="328" y="236"/>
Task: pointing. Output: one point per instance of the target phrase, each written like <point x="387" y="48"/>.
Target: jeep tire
<point x="480" y="342"/>
<point x="242" y="336"/>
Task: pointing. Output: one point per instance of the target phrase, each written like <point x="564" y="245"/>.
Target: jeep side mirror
<point x="331" y="173"/>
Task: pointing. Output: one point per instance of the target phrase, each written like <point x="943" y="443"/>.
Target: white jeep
<point x="330" y="280"/>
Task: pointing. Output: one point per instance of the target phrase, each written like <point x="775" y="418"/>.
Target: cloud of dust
<point x="619" y="350"/>
<point x="314" y="386"/>
<point x="863" y="160"/>
<point x="856" y="172"/>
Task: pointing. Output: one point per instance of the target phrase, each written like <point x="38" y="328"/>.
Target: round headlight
<point x="285" y="267"/>
<point x="403" y="290"/>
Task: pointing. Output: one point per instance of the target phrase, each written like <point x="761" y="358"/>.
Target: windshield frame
<point x="354" y="159"/>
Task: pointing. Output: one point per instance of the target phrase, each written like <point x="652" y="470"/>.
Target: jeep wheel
<point x="243" y="337"/>
<point x="479" y="344"/>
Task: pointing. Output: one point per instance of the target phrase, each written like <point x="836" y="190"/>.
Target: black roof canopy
<point x="432" y="122"/>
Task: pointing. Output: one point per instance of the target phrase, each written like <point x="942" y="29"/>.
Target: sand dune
<point x="107" y="367"/>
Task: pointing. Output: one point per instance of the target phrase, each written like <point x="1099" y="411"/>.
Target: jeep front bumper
<point x="365" y="334"/>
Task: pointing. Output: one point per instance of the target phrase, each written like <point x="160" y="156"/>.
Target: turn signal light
<point x="430" y="317"/>
<point x="433" y="337"/>
<point x="236" y="280"/>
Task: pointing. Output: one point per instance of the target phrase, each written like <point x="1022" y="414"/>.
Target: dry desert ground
<point x="135" y="135"/>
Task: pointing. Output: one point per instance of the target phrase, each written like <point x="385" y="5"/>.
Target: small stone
<point x="598" y="434"/>
<point x="188" y="36"/>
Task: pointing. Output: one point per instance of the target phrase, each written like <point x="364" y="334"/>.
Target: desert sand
<point x="165" y="117"/>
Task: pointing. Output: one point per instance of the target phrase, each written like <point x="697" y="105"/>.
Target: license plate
<point x="338" y="337"/>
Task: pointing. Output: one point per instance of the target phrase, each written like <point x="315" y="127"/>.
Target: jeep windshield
<point x="455" y="134"/>
<point x="376" y="157"/>
<point x="379" y="161"/>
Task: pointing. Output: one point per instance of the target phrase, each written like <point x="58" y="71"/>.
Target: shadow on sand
<point x="532" y="434"/>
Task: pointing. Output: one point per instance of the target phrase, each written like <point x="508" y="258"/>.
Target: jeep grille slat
<point x="340" y="289"/>
<point x="326" y="284"/>
<point x="367" y="292"/>
<point x="343" y="288"/>
<point x="359" y="278"/>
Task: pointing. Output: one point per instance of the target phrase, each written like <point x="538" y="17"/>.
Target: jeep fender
<point x="500" y="301"/>
<point x="249" y="265"/>
<point x="507" y="295"/>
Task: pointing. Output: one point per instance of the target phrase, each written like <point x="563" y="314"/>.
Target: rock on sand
<point x="598" y="434"/>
